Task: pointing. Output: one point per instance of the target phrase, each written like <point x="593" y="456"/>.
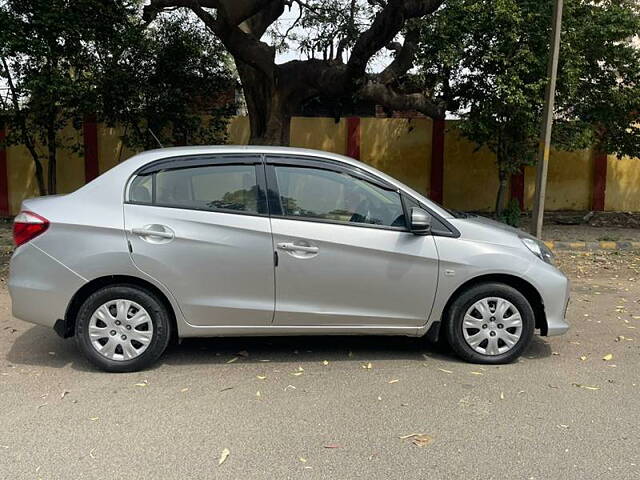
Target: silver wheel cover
<point x="120" y="330"/>
<point x="492" y="326"/>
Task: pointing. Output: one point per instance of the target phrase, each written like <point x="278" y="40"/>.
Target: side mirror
<point x="420" y="221"/>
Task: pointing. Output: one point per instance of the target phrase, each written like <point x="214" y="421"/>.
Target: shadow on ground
<point x="39" y="346"/>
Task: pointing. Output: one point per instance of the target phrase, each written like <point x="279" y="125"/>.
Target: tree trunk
<point x="42" y="190"/>
<point x="270" y="107"/>
<point x="51" y="146"/>
<point x="502" y="190"/>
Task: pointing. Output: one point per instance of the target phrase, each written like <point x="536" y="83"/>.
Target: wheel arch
<point x="525" y="288"/>
<point x="67" y="328"/>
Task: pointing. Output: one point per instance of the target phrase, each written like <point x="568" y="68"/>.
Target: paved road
<point x="549" y="416"/>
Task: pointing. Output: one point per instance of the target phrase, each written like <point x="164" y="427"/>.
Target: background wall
<point x="401" y="147"/>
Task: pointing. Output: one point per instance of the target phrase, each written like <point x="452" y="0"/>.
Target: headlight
<point x="539" y="249"/>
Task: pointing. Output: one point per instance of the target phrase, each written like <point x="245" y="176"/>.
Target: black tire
<point x="459" y="307"/>
<point x="160" y="320"/>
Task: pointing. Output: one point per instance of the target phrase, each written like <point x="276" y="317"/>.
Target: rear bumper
<point x="40" y="286"/>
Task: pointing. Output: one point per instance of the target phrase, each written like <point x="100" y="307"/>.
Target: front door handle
<point x="158" y="231"/>
<point x="292" y="247"/>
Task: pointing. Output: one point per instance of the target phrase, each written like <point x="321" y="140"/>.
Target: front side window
<point x="211" y="187"/>
<point x="314" y="193"/>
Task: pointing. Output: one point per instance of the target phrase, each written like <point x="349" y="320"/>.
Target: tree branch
<point x="387" y="96"/>
<point x="386" y="25"/>
<point x="242" y="43"/>
<point x="403" y="60"/>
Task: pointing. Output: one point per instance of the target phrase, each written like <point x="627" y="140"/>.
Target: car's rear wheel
<point x="490" y="323"/>
<point x="122" y="328"/>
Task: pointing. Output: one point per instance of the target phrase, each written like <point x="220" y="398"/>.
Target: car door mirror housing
<point x="420" y="223"/>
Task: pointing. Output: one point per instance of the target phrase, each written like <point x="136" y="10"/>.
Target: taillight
<point x="27" y="226"/>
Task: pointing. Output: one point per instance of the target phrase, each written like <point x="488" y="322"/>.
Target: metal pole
<point x="547" y="123"/>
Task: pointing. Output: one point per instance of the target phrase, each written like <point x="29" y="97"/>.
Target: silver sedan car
<point x="231" y="241"/>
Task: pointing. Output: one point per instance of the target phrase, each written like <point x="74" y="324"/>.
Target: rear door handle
<point x="148" y="232"/>
<point x="292" y="247"/>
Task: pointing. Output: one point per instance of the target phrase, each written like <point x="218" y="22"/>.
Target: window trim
<point x="203" y="161"/>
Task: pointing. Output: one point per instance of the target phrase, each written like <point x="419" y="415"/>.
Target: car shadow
<point x="40" y="347"/>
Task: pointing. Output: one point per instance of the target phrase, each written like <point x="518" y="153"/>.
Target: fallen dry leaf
<point x="234" y="359"/>
<point x="260" y="377"/>
<point x="325" y="363"/>
<point x="501" y="395"/>
<point x="186" y="389"/>
<point x="583" y="358"/>
<point x="586" y="387"/>
<point x="64" y="393"/>
<point x="223" y="456"/>
<point x="303" y="460"/>
<point x="332" y="446"/>
<point x="418" y="439"/>
<point x="395" y="380"/>
<point x="477" y="373"/>
<point x="445" y="371"/>
<point x="367" y="366"/>
<point x="607" y="357"/>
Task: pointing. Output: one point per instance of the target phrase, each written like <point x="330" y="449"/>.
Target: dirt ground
<point x="338" y="407"/>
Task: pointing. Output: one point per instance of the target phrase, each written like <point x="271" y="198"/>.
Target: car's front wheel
<point x="122" y="328"/>
<point x="490" y="323"/>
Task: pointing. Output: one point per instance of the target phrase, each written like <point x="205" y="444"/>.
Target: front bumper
<point x="554" y="288"/>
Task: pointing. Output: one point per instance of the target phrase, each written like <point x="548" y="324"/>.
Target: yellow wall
<point x="470" y="175"/>
<point x="20" y="176"/>
<point x="399" y="147"/>
<point x="111" y="150"/>
<point x="623" y="185"/>
<point x="569" y="181"/>
<point x="239" y="131"/>
<point x="320" y="133"/>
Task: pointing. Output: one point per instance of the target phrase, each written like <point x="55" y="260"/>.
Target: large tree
<point x="275" y="91"/>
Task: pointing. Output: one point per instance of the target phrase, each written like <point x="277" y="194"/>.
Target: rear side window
<point x="231" y="188"/>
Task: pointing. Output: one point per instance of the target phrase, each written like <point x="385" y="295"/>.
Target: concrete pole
<point x="547" y="123"/>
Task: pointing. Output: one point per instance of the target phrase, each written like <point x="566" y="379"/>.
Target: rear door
<point x="345" y="256"/>
<point x="199" y="225"/>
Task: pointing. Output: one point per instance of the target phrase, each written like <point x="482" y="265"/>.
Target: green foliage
<point x="489" y="58"/>
<point x="512" y="214"/>
<point x="64" y="59"/>
<point x="166" y="78"/>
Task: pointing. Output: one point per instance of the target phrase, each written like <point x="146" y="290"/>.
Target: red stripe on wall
<point x="90" y="134"/>
<point x="437" y="161"/>
<point x="4" y="180"/>
<point x="599" y="181"/>
<point x="517" y="187"/>
<point x="353" y="137"/>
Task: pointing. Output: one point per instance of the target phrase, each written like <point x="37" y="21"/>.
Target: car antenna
<point x="156" y="138"/>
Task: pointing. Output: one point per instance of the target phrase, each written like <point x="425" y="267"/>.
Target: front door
<point x="345" y="256"/>
<point x="200" y="227"/>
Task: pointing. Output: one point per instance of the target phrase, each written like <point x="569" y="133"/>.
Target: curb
<point x="592" y="246"/>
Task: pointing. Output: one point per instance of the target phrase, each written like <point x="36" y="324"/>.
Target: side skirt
<point x="293" y="330"/>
